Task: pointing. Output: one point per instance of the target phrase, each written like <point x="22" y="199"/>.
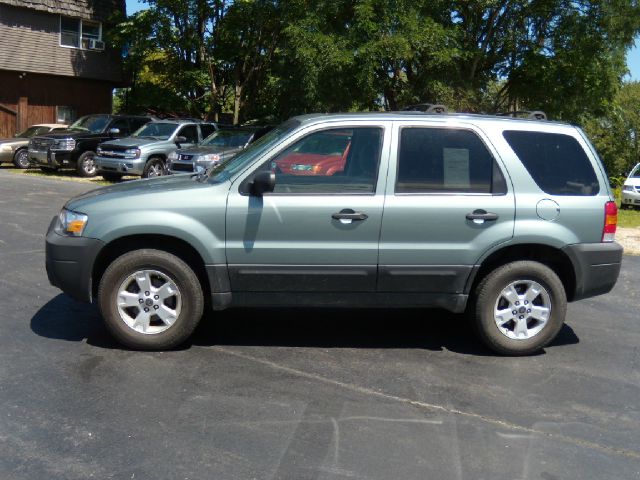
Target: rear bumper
<point x="597" y="266"/>
<point x="69" y="263"/>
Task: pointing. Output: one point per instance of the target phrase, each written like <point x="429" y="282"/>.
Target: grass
<point x="627" y="218"/>
<point x="64" y="175"/>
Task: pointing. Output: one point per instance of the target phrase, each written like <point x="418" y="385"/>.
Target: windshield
<point x="228" y="138"/>
<point x="31" y="131"/>
<point x="158" y="130"/>
<point x="91" y="123"/>
<point x="224" y="171"/>
<point x="635" y="173"/>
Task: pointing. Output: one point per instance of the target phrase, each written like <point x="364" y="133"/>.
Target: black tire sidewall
<point x="186" y="281"/>
<point x="487" y="294"/>
<point x="16" y="157"/>
<point x="80" y="167"/>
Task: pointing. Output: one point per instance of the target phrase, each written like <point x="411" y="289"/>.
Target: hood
<point x="133" y="142"/>
<point x="135" y="193"/>
<point x="206" y="150"/>
<point x="75" y="134"/>
<point x="633" y="181"/>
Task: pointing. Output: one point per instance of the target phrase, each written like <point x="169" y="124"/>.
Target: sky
<point x="633" y="56"/>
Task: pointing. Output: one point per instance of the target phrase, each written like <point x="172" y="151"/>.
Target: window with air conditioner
<point x="78" y="33"/>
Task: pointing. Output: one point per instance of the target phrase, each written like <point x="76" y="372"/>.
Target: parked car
<point x="504" y="219"/>
<point x="145" y="153"/>
<point x="76" y="147"/>
<point x="323" y="154"/>
<point x="15" y="149"/>
<point x="631" y="189"/>
<point x="218" y="147"/>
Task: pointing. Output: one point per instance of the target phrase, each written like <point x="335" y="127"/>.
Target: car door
<point x="318" y="231"/>
<point x="448" y="202"/>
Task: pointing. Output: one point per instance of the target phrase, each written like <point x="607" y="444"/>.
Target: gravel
<point x="629" y="238"/>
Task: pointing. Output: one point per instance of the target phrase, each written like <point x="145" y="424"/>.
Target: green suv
<point x="504" y="219"/>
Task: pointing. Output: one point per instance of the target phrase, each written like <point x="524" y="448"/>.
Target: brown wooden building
<point x="54" y="63"/>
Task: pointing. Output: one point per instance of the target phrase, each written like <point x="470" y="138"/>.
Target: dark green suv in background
<point x="504" y="219"/>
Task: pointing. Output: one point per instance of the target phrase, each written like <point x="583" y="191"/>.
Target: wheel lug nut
<point x="146" y="310"/>
<point x="146" y="293"/>
<point x="521" y="317"/>
<point x="515" y="312"/>
<point x="526" y="302"/>
<point x="155" y="307"/>
<point x="141" y="301"/>
<point x="529" y="311"/>
<point x="156" y="297"/>
<point x="517" y="303"/>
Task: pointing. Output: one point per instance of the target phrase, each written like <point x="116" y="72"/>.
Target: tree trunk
<point x="237" y="96"/>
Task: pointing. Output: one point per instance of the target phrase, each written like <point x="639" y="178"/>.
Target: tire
<point x="523" y="333"/>
<point x="21" y="159"/>
<point x="111" y="176"/>
<point x="86" y="165"/>
<point x="49" y="169"/>
<point x="180" y="299"/>
<point x="155" y="167"/>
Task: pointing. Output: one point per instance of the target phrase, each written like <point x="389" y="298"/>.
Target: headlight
<point x="211" y="158"/>
<point x="132" y="153"/>
<point x="64" y="144"/>
<point x="628" y="188"/>
<point x="71" y="223"/>
<point x="173" y="156"/>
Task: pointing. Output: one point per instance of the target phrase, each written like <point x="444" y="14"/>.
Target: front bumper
<point x="51" y="158"/>
<point x="125" y="166"/>
<point x="69" y="262"/>
<point x="596" y="265"/>
<point x="631" y="198"/>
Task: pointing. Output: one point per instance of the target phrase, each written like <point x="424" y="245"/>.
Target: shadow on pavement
<point x="66" y="319"/>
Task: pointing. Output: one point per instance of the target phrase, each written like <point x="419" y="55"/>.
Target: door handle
<point x="480" y="216"/>
<point x="348" y="215"/>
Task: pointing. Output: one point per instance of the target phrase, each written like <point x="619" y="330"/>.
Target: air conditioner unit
<point x="96" y="44"/>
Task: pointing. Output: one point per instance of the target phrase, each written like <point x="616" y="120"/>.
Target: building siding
<point x="30" y="42"/>
<point x="44" y="94"/>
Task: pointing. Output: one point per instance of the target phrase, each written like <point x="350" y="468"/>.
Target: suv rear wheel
<point x="150" y="299"/>
<point x="519" y="308"/>
<point x="87" y="164"/>
<point x="154" y="168"/>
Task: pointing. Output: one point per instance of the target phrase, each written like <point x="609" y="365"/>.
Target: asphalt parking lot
<point x="302" y="394"/>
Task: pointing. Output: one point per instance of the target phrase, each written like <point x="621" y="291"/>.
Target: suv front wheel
<point x="519" y="307"/>
<point x="154" y="168"/>
<point x="150" y="299"/>
<point x="87" y="165"/>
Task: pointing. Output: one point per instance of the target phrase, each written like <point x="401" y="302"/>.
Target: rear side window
<point x="556" y="162"/>
<point x="446" y="160"/>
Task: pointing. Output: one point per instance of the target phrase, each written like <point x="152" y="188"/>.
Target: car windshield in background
<point x="225" y="170"/>
<point x="160" y="130"/>
<point x="228" y="138"/>
<point x="635" y="173"/>
<point x="31" y="131"/>
<point x="91" y="123"/>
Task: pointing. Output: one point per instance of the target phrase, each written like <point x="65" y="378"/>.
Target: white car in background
<point x="631" y="189"/>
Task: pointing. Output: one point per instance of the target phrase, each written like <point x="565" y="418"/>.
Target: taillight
<point x="610" y="222"/>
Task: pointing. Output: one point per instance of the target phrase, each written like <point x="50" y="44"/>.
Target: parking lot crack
<point x="432" y="406"/>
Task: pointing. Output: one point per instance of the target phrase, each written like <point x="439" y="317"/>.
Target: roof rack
<point x="532" y="114"/>
<point x="426" y="108"/>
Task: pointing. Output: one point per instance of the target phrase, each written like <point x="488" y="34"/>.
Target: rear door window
<point x="446" y="160"/>
<point x="556" y="162"/>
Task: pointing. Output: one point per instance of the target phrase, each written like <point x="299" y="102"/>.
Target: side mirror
<point x="180" y="140"/>
<point x="114" y="131"/>
<point x="262" y="183"/>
